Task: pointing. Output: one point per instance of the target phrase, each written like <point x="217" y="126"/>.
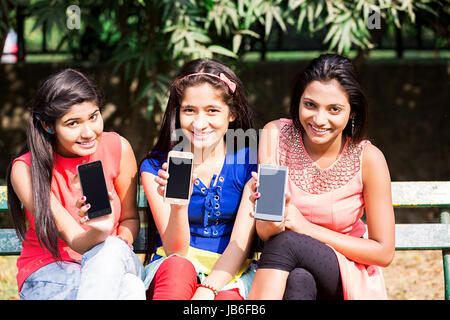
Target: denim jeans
<point x="110" y="270"/>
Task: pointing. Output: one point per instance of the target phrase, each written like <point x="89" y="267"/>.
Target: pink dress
<point x="332" y="198"/>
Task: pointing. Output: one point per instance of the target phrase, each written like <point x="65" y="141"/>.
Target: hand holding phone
<point x="103" y="224"/>
<point x="179" y="183"/>
<point x="272" y="185"/>
<point x="93" y="186"/>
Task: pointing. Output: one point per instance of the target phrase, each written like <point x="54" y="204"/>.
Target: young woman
<point x="211" y="237"/>
<point x="318" y="251"/>
<point x="64" y="254"/>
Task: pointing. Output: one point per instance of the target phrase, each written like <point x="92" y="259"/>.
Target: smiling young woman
<point x="63" y="255"/>
<point x="211" y="237"/>
<point x="335" y="176"/>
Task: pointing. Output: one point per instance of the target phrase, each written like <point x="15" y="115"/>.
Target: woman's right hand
<point x="103" y="224"/>
<point x="266" y="229"/>
<point x="163" y="177"/>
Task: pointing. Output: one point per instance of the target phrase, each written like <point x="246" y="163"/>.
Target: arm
<point x="267" y="153"/>
<point x="237" y="250"/>
<point x="69" y="229"/>
<point x="126" y="186"/>
<point x="378" y="249"/>
<point x="171" y="220"/>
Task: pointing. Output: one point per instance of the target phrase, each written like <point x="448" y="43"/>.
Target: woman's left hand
<point x="295" y="221"/>
<point x="203" y="294"/>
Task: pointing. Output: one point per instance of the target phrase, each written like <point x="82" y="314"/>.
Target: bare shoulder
<point x="373" y="162"/>
<point x="268" y="142"/>
<point x="272" y="125"/>
<point x="22" y="184"/>
<point x="126" y="146"/>
<point x="20" y="171"/>
<point x="128" y="157"/>
<point x="373" y="156"/>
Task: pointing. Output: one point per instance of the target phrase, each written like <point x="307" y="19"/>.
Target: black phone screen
<point x="272" y="189"/>
<point x="93" y="184"/>
<point x="178" y="185"/>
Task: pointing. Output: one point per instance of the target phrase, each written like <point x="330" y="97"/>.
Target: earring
<point x="50" y="131"/>
<point x="353" y="125"/>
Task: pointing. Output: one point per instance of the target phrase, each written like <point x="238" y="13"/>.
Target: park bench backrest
<point x="407" y="236"/>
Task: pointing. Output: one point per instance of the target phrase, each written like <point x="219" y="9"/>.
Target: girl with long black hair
<point x="203" y="247"/>
<point x="336" y="175"/>
<point x="65" y="255"/>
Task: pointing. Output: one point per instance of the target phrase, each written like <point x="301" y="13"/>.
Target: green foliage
<point x="146" y="40"/>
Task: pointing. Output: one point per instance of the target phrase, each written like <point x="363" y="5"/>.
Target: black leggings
<point x="313" y="266"/>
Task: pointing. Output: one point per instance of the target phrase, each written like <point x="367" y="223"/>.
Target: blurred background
<point x="134" y="48"/>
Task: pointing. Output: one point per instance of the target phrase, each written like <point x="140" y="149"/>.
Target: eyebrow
<point x="332" y="104"/>
<point x="73" y="119"/>
<point x="208" y="106"/>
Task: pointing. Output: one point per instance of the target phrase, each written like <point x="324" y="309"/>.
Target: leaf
<point x="237" y="39"/>
<point x="268" y="24"/>
<point x="144" y="91"/>
<point x="222" y="51"/>
<point x="301" y="19"/>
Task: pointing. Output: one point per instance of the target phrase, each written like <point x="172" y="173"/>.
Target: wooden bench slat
<point x="3" y="198"/>
<point x="421" y="193"/>
<point x="9" y="243"/>
<point x="411" y="193"/>
<point x="422" y="236"/>
<point x="407" y="237"/>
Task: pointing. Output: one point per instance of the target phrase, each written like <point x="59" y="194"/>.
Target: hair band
<point x="231" y="85"/>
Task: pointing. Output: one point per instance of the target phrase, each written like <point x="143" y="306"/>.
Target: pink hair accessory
<point x="231" y="85"/>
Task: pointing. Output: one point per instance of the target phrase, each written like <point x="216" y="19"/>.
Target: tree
<point x="146" y="41"/>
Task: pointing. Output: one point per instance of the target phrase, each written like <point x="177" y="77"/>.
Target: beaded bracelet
<point x="207" y="286"/>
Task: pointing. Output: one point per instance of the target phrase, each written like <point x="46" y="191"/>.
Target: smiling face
<point x="204" y="116"/>
<point x="324" y="112"/>
<point x="79" y="131"/>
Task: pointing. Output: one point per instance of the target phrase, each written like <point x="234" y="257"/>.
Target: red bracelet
<point x="207" y="286"/>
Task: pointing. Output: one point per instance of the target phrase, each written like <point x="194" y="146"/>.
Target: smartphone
<point x="178" y="188"/>
<point x="93" y="185"/>
<point x="272" y="186"/>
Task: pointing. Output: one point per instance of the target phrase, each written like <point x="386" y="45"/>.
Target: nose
<point x="320" y="118"/>
<point x="199" y="123"/>
<point x="86" y="131"/>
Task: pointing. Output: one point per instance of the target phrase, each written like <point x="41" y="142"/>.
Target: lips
<point x="87" y="144"/>
<point x="317" y="130"/>
<point x="202" y="135"/>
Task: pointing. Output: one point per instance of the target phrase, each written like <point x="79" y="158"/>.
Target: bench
<point x="426" y="236"/>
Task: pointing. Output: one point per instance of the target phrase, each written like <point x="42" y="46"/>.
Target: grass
<point x="8" y="284"/>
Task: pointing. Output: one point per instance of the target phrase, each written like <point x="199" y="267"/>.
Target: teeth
<point x="318" y="129"/>
<point x="202" y="135"/>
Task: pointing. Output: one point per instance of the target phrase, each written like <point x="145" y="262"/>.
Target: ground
<point x="412" y="275"/>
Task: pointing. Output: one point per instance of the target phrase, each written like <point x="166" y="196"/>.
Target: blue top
<point x="212" y="209"/>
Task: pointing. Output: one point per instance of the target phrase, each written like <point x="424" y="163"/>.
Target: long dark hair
<point x="54" y="98"/>
<point x="326" y="68"/>
<point x="236" y="101"/>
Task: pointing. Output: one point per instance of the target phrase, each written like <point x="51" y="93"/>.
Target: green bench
<point x="426" y="236"/>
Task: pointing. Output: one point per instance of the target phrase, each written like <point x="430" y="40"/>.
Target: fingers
<point x="254" y="196"/>
<point x="194" y="177"/>
<point x="80" y="202"/>
<point x="161" y="179"/>
<point x="255" y="184"/>
<point x="83" y="209"/>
